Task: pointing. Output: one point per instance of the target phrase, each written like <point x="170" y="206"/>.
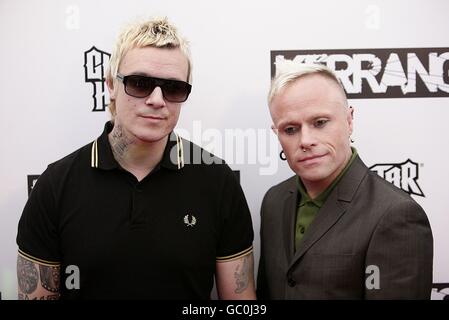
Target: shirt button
<point x="302" y="230"/>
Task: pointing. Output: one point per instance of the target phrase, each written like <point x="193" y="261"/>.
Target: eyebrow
<point x="139" y="73"/>
<point x="311" y="118"/>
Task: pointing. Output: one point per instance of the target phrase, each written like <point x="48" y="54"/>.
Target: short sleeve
<point x="37" y="235"/>
<point x="236" y="234"/>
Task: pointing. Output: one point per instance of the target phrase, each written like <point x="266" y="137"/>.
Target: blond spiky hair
<point x="156" y="32"/>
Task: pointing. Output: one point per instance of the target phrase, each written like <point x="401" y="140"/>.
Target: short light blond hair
<point x="153" y="32"/>
<point x="288" y="71"/>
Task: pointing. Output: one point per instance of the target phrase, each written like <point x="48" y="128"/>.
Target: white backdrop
<point x="46" y="104"/>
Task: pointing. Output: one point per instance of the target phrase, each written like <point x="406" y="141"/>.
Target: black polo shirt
<point x="159" y="238"/>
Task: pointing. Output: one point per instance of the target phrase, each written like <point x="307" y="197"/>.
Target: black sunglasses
<point x="140" y="87"/>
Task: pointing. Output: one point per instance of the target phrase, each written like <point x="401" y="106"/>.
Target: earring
<point x="350" y="139"/>
<point x="282" y="156"/>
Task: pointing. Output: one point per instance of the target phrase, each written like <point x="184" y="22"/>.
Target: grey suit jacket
<point x="365" y="223"/>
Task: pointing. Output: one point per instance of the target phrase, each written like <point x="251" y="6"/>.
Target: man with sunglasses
<point x="135" y="214"/>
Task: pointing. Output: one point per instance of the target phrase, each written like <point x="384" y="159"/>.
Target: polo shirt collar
<point x="321" y="198"/>
<point x="103" y="158"/>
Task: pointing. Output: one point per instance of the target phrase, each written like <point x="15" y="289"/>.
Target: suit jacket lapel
<point x="328" y="215"/>
<point x="333" y="208"/>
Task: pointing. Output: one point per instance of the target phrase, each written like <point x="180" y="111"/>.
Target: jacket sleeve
<point x="399" y="258"/>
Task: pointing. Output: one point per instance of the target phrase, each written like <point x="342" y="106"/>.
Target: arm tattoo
<point x="119" y="141"/>
<point x="27" y="275"/>
<point x="241" y="275"/>
<point x="50" y="297"/>
<point x="49" y="277"/>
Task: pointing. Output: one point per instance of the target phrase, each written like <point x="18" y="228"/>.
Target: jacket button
<point x="291" y="282"/>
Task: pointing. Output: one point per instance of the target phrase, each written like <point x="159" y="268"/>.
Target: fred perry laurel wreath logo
<point x="189" y="220"/>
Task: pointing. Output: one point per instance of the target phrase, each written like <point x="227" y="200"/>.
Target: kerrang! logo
<point x="403" y="175"/>
<point x="94" y="72"/>
<point x="381" y="73"/>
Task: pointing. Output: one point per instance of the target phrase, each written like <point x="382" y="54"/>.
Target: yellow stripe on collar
<point x="179" y="151"/>
<point x="94" y="155"/>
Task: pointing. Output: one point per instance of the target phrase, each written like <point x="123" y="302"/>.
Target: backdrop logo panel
<point x="95" y="73"/>
<point x="381" y="73"/>
<point x="440" y="291"/>
<point x="32" y="178"/>
<point x="403" y="175"/>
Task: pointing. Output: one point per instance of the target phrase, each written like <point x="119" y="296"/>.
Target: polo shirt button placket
<point x="138" y="187"/>
<point x="137" y="215"/>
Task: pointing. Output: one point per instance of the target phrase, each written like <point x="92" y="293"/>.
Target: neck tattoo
<point x="119" y="142"/>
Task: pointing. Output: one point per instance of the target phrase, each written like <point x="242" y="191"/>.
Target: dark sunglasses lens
<point x="139" y="86"/>
<point x="176" y="91"/>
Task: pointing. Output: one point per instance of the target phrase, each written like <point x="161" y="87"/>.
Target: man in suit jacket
<point x="335" y="230"/>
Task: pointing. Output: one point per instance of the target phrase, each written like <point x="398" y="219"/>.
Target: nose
<point x="156" y="98"/>
<point x="306" y="138"/>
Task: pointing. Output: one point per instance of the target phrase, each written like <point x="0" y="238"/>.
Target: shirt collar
<point x="103" y="158"/>
<point x="321" y="198"/>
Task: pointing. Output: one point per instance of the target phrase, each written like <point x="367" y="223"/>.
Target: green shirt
<point x="308" y="207"/>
